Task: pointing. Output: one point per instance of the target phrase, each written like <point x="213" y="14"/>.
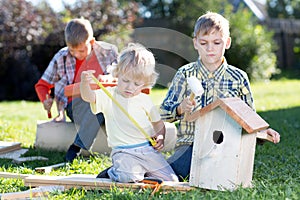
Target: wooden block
<point x="59" y="136"/>
<point x="9" y="146"/>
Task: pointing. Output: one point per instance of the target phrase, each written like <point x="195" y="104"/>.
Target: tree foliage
<point x="110" y="19"/>
<point x="31" y="35"/>
<point x="22" y="27"/>
<point x="284" y="8"/>
<point x="252" y="44"/>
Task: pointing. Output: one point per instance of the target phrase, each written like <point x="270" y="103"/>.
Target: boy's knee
<point x="124" y="177"/>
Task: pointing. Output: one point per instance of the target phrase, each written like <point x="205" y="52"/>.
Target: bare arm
<point x="160" y="131"/>
<point x="86" y="92"/>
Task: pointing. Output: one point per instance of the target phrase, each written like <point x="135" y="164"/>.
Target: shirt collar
<point x="217" y="75"/>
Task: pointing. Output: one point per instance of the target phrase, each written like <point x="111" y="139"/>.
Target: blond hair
<point x="211" y="21"/>
<point x="138" y="63"/>
<point x="78" y="31"/>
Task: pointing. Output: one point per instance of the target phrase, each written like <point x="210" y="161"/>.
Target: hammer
<point x="196" y="87"/>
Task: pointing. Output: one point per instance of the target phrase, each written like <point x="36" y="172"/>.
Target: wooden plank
<point x="263" y="135"/>
<point x="34" y="192"/>
<point x="14" y="154"/>
<point x="48" y="169"/>
<point x="246" y="161"/>
<point x="13" y="175"/>
<point x="90" y="182"/>
<point x="74" y="89"/>
<point x="31" y="158"/>
<point x="9" y="146"/>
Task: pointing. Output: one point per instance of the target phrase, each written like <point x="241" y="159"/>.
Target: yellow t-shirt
<point x="119" y="128"/>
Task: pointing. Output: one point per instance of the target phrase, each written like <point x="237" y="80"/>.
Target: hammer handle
<point x="192" y="96"/>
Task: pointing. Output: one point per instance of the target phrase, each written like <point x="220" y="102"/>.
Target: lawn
<point x="276" y="168"/>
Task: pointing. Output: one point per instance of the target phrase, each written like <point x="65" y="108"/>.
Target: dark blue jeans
<point x="181" y="160"/>
<point x="86" y="123"/>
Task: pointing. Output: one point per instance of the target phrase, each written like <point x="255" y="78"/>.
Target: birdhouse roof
<point x="238" y="110"/>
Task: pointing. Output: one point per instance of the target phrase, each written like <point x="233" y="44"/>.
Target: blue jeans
<point x="86" y="123"/>
<point x="181" y="160"/>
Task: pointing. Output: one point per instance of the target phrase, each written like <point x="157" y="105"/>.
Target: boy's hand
<point x="48" y="104"/>
<point x="186" y="106"/>
<point x="275" y="135"/>
<point x="160" y="142"/>
<point x="61" y="117"/>
<point x="159" y="137"/>
<point x="61" y="112"/>
<point x="86" y="76"/>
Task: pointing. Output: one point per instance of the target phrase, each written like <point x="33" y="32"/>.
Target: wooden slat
<point x="33" y="192"/>
<point x="90" y="182"/>
<point x="13" y="175"/>
<point x="263" y="135"/>
<point x="9" y="146"/>
<point x="48" y="169"/>
<point x="73" y="90"/>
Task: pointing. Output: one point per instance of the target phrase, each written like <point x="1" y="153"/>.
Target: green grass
<point x="276" y="168"/>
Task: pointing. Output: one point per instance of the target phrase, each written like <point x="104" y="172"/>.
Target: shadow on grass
<point x="280" y="162"/>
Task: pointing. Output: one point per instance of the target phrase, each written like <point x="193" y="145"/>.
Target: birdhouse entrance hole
<point x="218" y="137"/>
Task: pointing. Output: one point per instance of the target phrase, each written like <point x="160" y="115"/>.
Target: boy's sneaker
<point x="103" y="174"/>
<point x="72" y="153"/>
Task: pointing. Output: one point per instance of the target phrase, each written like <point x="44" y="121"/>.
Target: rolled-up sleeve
<point x="174" y="97"/>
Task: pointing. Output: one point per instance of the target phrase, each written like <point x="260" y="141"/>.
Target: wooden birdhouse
<point x="224" y="144"/>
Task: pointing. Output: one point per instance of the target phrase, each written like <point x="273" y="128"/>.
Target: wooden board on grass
<point x="39" y="193"/>
<point x="9" y="146"/>
<point x="90" y="182"/>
